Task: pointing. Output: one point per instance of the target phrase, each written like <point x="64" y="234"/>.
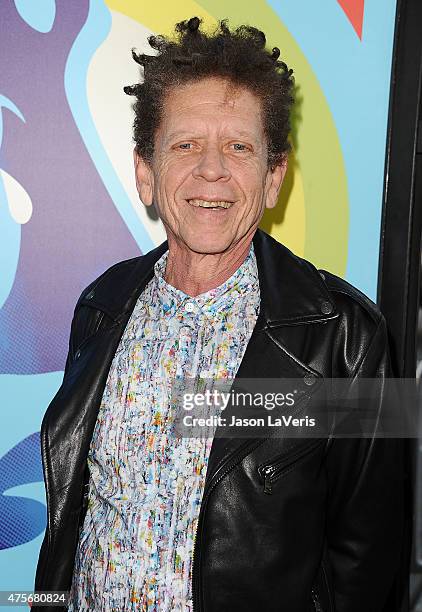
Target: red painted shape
<point x="354" y="10"/>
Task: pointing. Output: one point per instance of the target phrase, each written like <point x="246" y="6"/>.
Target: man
<point x="139" y="519"/>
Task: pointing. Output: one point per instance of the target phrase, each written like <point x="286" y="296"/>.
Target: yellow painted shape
<point x="287" y="221"/>
<point x="161" y="16"/>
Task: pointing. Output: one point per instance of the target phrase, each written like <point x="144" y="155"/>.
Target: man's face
<point x="209" y="177"/>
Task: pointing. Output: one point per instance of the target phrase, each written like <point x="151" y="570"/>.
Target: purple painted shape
<point x="75" y="231"/>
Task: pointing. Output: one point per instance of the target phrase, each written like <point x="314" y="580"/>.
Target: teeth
<point x="208" y="204"/>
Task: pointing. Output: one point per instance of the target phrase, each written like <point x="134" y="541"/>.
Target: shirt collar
<point x="215" y="302"/>
<point x="291" y="290"/>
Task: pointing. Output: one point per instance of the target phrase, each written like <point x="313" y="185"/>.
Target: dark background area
<point x="399" y="280"/>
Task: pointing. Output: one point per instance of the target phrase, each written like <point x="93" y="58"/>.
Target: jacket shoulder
<point x="349" y="299"/>
<point x="115" y="284"/>
<point x="361" y="330"/>
<point x="111" y="275"/>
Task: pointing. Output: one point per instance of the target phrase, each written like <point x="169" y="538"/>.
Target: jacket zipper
<point x="271" y="471"/>
<point x="239" y="455"/>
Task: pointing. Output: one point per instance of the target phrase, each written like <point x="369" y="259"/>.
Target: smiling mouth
<point x="210" y="204"/>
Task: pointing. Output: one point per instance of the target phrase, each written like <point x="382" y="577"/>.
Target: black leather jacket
<point x="328" y="537"/>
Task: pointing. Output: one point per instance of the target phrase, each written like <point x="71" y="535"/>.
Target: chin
<point x="207" y="246"/>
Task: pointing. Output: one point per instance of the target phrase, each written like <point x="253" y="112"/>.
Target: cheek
<point x="250" y="172"/>
<point x="252" y="185"/>
<point x="172" y="178"/>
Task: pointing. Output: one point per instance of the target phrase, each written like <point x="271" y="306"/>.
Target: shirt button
<point x="189" y="307"/>
<point x="77" y="354"/>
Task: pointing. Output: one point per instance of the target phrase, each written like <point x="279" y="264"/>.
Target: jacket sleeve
<point x="365" y="504"/>
<point x="77" y="332"/>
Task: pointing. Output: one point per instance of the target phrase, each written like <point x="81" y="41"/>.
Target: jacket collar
<point x="292" y="290"/>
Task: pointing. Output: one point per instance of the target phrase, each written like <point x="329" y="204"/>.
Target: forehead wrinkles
<point x="213" y="120"/>
<point x="211" y="89"/>
<point x="205" y="109"/>
<point x="198" y="108"/>
<point x="211" y="92"/>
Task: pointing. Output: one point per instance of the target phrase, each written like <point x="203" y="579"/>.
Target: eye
<point x="184" y="146"/>
<point x="238" y="146"/>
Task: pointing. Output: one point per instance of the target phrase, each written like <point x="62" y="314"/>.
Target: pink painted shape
<point x="354" y="10"/>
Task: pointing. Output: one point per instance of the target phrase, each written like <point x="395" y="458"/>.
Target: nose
<point x="211" y="165"/>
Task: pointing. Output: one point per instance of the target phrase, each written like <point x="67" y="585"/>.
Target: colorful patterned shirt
<point x="146" y="484"/>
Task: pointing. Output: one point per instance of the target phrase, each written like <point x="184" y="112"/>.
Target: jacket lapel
<point x="292" y="293"/>
<point x="265" y="358"/>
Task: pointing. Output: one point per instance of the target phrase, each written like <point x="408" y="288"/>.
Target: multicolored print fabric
<point x="146" y="485"/>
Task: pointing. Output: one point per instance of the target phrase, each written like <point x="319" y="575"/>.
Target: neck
<point x="195" y="273"/>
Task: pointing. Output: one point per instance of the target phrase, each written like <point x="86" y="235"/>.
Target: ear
<point x="144" y="178"/>
<point x="275" y="177"/>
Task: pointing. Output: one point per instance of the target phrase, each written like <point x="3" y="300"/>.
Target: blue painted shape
<point x="22" y="519"/>
<point x="6" y="102"/>
<point x="38" y="15"/>
<point x="355" y="78"/>
<point x="93" y="33"/>
<point x="22" y="498"/>
<point x="24" y="398"/>
<point x="17" y="568"/>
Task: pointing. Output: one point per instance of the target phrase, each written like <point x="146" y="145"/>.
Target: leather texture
<point x="328" y="537"/>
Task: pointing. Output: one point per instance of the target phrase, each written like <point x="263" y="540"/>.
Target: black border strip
<point x="399" y="262"/>
<point x="400" y="246"/>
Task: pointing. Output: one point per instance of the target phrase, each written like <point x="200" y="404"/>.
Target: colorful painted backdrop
<point x="68" y="204"/>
